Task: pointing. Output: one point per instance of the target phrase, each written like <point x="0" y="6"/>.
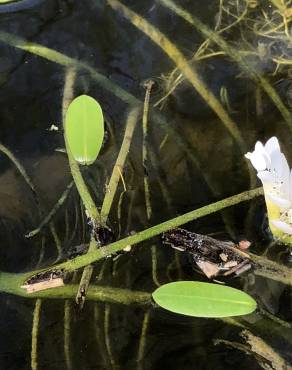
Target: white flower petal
<point x="285" y="167"/>
<point x="281" y="202"/>
<point x="267" y="159"/>
<point x="277" y="162"/>
<point x="257" y="160"/>
<point x="283" y="226"/>
<point x="259" y="147"/>
<point x="285" y="178"/>
<point x="261" y="151"/>
<point x="273" y="170"/>
<point x="272" y="145"/>
<point x="265" y="177"/>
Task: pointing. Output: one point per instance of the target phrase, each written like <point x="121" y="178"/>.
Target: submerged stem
<point x="109" y="197"/>
<point x="34" y="334"/>
<point x="145" y="160"/>
<point x="83" y="191"/>
<point x="11" y="283"/>
<point x="189" y="71"/>
<point x="119" y="245"/>
<point x="142" y="341"/>
<point x="67" y="334"/>
<point x="52" y="212"/>
<point x="233" y="53"/>
<point x="120" y="163"/>
<point x="103" y="81"/>
<point x="20" y="168"/>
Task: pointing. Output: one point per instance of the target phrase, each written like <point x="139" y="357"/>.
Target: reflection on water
<point x="193" y="160"/>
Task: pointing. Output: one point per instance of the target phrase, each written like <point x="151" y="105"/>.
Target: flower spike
<point x="274" y="172"/>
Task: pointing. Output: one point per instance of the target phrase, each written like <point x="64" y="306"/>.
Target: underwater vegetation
<point x="148" y="150"/>
<point x="84" y="129"/>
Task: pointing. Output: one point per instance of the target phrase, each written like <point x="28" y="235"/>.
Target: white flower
<point x="275" y="175"/>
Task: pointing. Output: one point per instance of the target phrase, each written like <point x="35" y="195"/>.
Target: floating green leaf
<point x="203" y="299"/>
<point x="84" y="129"/>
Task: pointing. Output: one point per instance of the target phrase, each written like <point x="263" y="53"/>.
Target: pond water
<point x="193" y="159"/>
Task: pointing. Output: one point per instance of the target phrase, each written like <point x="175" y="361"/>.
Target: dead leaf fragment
<point x="230" y="264"/>
<point x="223" y="256"/>
<point x="209" y="269"/>
<point x="42" y="285"/>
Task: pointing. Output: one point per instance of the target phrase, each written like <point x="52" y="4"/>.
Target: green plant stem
<point x="269" y="269"/>
<point x="233" y="53"/>
<point x="68" y="62"/>
<point x="274" y="318"/>
<point x="67" y="334"/>
<point x="42" y="251"/>
<point x="109" y="197"/>
<point x="119" y="245"/>
<point x="154" y="261"/>
<point x="189" y="71"/>
<point x="107" y="84"/>
<point x="142" y="341"/>
<point x="91" y="209"/>
<point x="104" y="82"/>
<point x="56" y="240"/>
<point x="52" y="212"/>
<point x="145" y="162"/>
<point x="34" y="334"/>
<point x="20" y="168"/>
<point x="83" y="191"/>
<point x="85" y="278"/>
<point x="11" y="283"/>
<point x="119" y="213"/>
<point x="120" y="162"/>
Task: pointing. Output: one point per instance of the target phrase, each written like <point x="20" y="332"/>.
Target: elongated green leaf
<point x="203" y="299"/>
<point x="84" y="129"/>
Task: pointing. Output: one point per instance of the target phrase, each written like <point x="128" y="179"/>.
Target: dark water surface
<point x="193" y="161"/>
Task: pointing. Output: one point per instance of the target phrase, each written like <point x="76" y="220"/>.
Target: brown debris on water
<point x="212" y="256"/>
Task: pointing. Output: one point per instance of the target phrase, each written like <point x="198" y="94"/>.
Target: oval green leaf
<point x="84" y="129"/>
<point x="203" y="299"/>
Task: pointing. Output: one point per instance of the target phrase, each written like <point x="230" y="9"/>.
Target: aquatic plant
<point x="276" y="177"/>
<point x="201" y="299"/>
<point x="84" y="129"/>
<point x="239" y="15"/>
<point x="249" y="58"/>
